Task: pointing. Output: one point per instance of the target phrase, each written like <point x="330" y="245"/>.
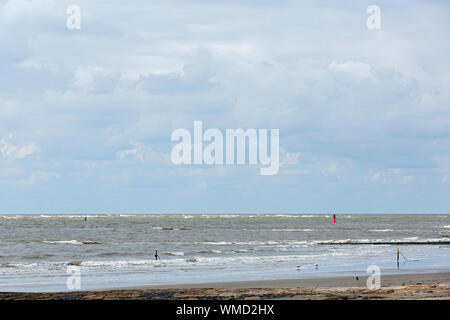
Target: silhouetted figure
<point x="156" y="255"/>
<point x="317" y="267"/>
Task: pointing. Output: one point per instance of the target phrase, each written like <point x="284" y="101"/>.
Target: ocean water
<point x="112" y="251"/>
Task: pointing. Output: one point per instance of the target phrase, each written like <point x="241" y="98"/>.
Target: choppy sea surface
<point x="112" y="251"/>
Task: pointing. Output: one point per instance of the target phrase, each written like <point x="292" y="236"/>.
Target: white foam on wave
<point x="175" y="253"/>
<point x="269" y="242"/>
<point x="215" y="243"/>
<point x="333" y="241"/>
<point x="117" y="263"/>
<point x="210" y="251"/>
<point x="70" y="242"/>
<point x="381" y="230"/>
<point x="170" y="228"/>
<point x="18" y="265"/>
<point x="239" y="250"/>
<point x="63" y="241"/>
<point x="298" y="215"/>
<point x="411" y="240"/>
<point x="284" y="216"/>
<point x="201" y="261"/>
<point x="209" y="216"/>
<point x="64" y="216"/>
<point x="292" y="230"/>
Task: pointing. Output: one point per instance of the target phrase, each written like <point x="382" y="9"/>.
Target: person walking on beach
<point x="156" y="255"/>
<point x="334" y="218"/>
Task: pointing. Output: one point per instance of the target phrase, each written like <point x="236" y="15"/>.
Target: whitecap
<point x="63" y="241"/>
<point x="239" y="250"/>
<point x="216" y="243"/>
<point x="292" y="230"/>
<point x="210" y="251"/>
<point x="179" y="253"/>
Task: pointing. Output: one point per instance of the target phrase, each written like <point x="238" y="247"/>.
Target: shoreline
<point x="317" y="282"/>
<point x="393" y="287"/>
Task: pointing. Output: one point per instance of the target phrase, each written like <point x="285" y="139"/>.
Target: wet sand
<point x="386" y="280"/>
<point x="400" y="286"/>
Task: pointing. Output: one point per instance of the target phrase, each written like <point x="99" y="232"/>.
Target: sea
<point x="43" y="253"/>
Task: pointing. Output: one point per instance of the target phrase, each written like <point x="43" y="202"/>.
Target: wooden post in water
<point x="398" y="258"/>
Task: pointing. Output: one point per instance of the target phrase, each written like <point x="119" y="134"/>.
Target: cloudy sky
<point x="86" y="115"/>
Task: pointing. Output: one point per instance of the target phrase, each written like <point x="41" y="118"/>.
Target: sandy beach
<point x="333" y="282"/>
<point x="401" y="286"/>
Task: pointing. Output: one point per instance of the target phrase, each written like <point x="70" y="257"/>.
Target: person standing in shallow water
<point x="156" y="255"/>
<point x="334" y="218"/>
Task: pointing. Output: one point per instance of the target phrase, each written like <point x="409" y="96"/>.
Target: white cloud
<point x="376" y="176"/>
<point x="144" y="153"/>
<point x="357" y="69"/>
<point x="95" y="79"/>
<point x="39" y="176"/>
<point x="11" y="151"/>
<point x="137" y="151"/>
<point x="11" y="171"/>
<point x="392" y="176"/>
<point x="289" y="158"/>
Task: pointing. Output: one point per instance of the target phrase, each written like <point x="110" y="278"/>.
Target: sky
<point x="86" y="115"/>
